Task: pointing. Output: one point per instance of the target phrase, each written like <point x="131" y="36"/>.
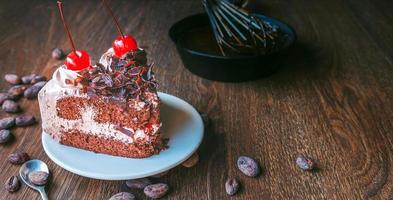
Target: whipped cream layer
<point x="54" y="125"/>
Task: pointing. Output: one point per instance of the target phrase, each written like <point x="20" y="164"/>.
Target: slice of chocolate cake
<point x="109" y="108"/>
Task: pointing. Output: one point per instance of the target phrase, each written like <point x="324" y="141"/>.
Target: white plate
<point x="182" y="124"/>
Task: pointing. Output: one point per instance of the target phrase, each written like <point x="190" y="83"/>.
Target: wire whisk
<point x="236" y="30"/>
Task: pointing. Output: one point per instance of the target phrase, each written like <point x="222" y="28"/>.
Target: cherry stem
<point x="60" y="6"/>
<point x="113" y="17"/>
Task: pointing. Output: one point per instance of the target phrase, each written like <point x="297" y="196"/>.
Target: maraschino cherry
<point x="78" y="59"/>
<point x="123" y="43"/>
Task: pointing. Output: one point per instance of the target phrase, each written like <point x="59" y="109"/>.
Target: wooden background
<point x="332" y="99"/>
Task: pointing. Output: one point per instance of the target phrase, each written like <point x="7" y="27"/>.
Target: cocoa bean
<point x="37" y="79"/>
<point x="305" y="163"/>
<point x="40" y="84"/>
<point x="18" y="158"/>
<point x="232" y="186"/>
<point x="25" y="120"/>
<point x="39" y="178"/>
<point x="32" y="92"/>
<point x="12" y="184"/>
<point x="5" y="136"/>
<point x="58" y="54"/>
<point x="7" y="123"/>
<point x="10" y="106"/>
<point x="156" y="191"/>
<point x="17" y="90"/>
<point x="12" y="79"/>
<point x="248" y="166"/>
<point x="27" y="79"/>
<point x="123" y="196"/>
<point x="5" y="96"/>
<point x="192" y="161"/>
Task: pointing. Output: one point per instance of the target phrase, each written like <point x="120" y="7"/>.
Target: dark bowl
<point x="206" y="62"/>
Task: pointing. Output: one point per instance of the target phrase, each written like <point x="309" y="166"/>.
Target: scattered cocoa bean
<point x="248" y="166"/>
<point x="12" y="184"/>
<point x="18" y="158"/>
<point x="37" y="79"/>
<point x="232" y="186"/>
<point x="305" y="163"/>
<point x="123" y="196"/>
<point x="7" y="123"/>
<point x="32" y="92"/>
<point x="192" y="161"/>
<point x="40" y="84"/>
<point x="25" y="120"/>
<point x="138" y="183"/>
<point x="10" y="106"/>
<point x="39" y="178"/>
<point x="5" y="136"/>
<point x="5" y="96"/>
<point x="17" y="90"/>
<point x="13" y="79"/>
<point x="27" y="79"/>
<point x="156" y="191"/>
<point x="58" y="54"/>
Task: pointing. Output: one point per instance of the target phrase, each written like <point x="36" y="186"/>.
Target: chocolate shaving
<point x="124" y="131"/>
<point x="127" y="78"/>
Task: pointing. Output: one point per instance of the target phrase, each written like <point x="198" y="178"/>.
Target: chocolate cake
<point x="111" y="107"/>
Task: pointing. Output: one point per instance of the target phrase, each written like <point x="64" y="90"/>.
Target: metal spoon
<point x="31" y="166"/>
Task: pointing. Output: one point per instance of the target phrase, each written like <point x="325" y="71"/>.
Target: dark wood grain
<point x="331" y="100"/>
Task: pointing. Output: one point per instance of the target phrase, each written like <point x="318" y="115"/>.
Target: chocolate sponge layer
<point x="138" y="149"/>
<point x="122" y="115"/>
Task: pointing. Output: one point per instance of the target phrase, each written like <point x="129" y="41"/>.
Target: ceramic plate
<point x="182" y="124"/>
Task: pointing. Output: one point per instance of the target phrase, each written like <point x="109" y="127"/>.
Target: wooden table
<point x="332" y="100"/>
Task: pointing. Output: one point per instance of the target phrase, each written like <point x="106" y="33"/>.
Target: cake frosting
<point x="61" y="75"/>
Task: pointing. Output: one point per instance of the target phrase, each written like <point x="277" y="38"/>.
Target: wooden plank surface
<point x="331" y="100"/>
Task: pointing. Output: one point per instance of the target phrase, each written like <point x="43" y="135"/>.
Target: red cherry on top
<point x="123" y="45"/>
<point x="77" y="60"/>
